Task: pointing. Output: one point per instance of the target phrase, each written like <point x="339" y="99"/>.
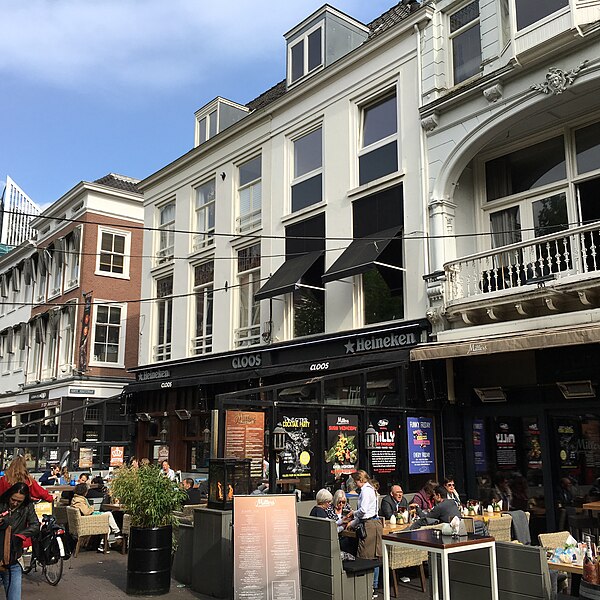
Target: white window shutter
<point x="585" y="11"/>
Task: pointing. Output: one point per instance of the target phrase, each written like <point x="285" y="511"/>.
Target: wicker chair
<point x="60" y="513"/>
<point x="402" y="558"/>
<point x="551" y="541"/>
<point x="499" y="528"/>
<point x="85" y="527"/>
<point x="126" y="532"/>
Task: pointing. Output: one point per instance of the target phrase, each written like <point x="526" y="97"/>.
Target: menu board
<point x="383" y="456"/>
<point x="568" y="442"/>
<point x="479" y="454"/>
<point x="86" y="458"/>
<point x="421" y="447"/>
<point x="295" y="460"/>
<point x="506" y="444"/>
<point x="245" y="438"/>
<point x="265" y="548"/>
<point x="342" y="444"/>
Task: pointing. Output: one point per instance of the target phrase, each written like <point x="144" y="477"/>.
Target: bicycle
<point x="50" y="550"/>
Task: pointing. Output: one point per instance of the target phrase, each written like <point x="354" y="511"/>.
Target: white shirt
<point x="367" y="504"/>
<point x="170" y="474"/>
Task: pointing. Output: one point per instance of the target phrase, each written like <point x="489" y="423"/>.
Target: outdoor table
<point x="592" y="507"/>
<point x="574" y="570"/>
<point x="435" y="543"/>
<point x="387" y="529"/>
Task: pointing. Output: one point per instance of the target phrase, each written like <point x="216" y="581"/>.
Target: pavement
<point x="92" y="575"/>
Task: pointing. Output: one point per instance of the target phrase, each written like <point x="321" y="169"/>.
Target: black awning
<point x="361" y="255"/>
<point x="287" y="278"/>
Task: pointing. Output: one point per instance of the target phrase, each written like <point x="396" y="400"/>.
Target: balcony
<point x="556" y="273"/>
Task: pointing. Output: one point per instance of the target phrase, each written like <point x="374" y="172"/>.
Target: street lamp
<point x="278" y="437"/>
<point x="370" y="438"/>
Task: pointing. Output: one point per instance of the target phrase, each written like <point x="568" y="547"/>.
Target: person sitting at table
<point x="65" y="477"/>
<point x="501" y="492"/>
<point x="192" y="492"/>
<point x="99" y="489"/>
<point x="17" y="472"/>
<point x="167" y="471"/>
<point x="444" y="510"/>
<point x="451" y="492"/>
<point x="340" y="511"/>
<point x="518" y="488"/>
<point x="393" y="503"/>
<point x="50" y="477"/>
<point x="323" y="499"/>
<point x="424" y="497"/>
<point x="81" y="502"/>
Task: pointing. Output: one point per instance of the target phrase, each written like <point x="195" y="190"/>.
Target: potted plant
<point x="150" y="498"/>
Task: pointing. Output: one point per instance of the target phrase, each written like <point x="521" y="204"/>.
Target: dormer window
<point x="306" y="55"/>
<point x="207" y="127"/>
<point x="217" y="115"/>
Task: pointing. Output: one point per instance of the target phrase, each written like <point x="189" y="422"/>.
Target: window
<point x="56" y="272"/>
<point x="20" y="346"/>
<point x="36" y="342"/>
<point x="203" y="290"/>
<point x="207" y="126"/>
<point x="250" y="194"/>
<point x="587" y="144"/>
<point x="109" y="334"/>
<point x="307" y="185"/>
<point x="113" y="253"/>
<point x="205" y="215"/>
<point x="465" y="42"/>
<point x="379" y="145"/>
<point x="306" y="54"/>
<point x="248" y="281"/>
<point x="73" y="258"/>
<point x="308" y="299"/>
<point x="164" y="318"/>
<point x="51" y="344"/>
<point x="531" y="11"/>
<point x="15" y="289"/>
<point x="41" y="275"/>
<point x="166" y="237"/>
<point x="67" y="338"/>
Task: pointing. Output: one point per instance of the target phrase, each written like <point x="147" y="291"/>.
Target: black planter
<point x="149" y="561"/>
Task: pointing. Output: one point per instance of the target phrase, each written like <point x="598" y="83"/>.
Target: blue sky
<point x="89" y="87"/>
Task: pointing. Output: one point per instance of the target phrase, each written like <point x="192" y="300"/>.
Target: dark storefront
<point x="533" y="416"/>
<point x="324" y="392"/>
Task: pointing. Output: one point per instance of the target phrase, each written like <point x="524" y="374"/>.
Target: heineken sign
<point x="382" y="342"/>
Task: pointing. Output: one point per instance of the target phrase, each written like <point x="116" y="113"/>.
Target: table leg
<point x="446" y="577"/>
<point x="493" y="572"/>
<point x="433" y="568"/>
<point x="386" y="573"/>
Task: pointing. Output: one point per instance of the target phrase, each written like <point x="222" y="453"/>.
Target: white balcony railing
<point x="247" y="336"/>
<point x="572" y="253"/>
<point x="202" y="344"/>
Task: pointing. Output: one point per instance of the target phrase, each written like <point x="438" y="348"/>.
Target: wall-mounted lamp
<point x="223" y="175"/>
<point x="370" y="438"/>
<point x="492" y="394"/>
<point x="576" y="389"/>
<point x="75" y="444"/>
<point x="278" y="437"/>
<point x="143" y="417"/>
<point x="163" y="435"/>
<point x="183" y="415"/>
<point x="206" y="436"/>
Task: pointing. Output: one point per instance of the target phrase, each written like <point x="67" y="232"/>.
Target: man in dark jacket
<point x="444" y="510"/>
<point x="193" y="493"/>
<point x="393" y="503"/>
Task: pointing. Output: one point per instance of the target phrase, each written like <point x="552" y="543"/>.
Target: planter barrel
<point x="149" y="561"/>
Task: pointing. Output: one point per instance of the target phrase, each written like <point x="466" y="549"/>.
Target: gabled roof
<point x="119" y="182"/>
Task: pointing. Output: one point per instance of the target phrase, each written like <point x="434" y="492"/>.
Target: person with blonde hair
<point x="323" y="499"/>
<point x="17" y="472"/>
<point x="366" y="514"/>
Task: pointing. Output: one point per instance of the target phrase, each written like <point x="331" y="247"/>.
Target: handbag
<point x="361" y="531"/>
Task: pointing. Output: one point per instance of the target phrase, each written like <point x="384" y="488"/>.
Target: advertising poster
<point x="590" y="443"/>
<point x="568" y="442"/>
<point x="479" y="446"/>
<point x="86" y="458"/>
<point x="116" y="455"/>
<point x="245" y="438"/>
<point x="533" y="444"/>
<point x="421" y="447"/>
<point x="383" y="457"/>
<point x="296" y="458"/>
<point x="506" y="444"/>
<point x="342" y="444"/>
<point x="266" y="563"/>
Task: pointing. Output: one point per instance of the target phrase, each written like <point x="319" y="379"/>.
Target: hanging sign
<point x="116" y="455"/>
<point x="421" y="447"/>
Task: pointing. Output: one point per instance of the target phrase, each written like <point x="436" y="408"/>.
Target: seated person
<point x="341" y="512"/>
<point x="393" y="503"/>
<point x="451" y="492"/>
<point x="444" y="510"/>
<point x="424" y="497"/>
<point x="99" y="491"/>
<point x="51" y="476"/>
<point x="68" y="495"/>
<point x="323" y="499"/>
<point x="193" y="493"/>
<point x="86" y="509"/>
<point x="501" y="492"/>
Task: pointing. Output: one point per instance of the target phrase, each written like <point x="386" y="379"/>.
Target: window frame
<point x="56" y="274"/>
<point x="251" y="287"/>
<point x="166" y="253"/>
<point x="163" y="303"/>
<point x="73" y="263"/>
<point x="304" y="39"/>
<point x="297" y="180"/>
<point x="120" y="363"/>
<point x="200" y="345"/>
<point x="254" y="216"/>
<point x="538" y="22"/>
<point x="200" y="241"/>
<point x="452" y="35"/>
<point x="126" y="251"/>
<point x="68" y="328"/>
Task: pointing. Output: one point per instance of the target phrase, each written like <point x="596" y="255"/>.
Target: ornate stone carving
<point x="558" y="80"/>
<point x="493" y="93"/>
<point x="430" y="123"/>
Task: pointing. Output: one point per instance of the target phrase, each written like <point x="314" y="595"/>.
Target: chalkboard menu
<point x="265" y="548"/>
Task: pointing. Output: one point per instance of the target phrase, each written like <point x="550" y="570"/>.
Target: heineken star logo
<point x="349" y="347"/>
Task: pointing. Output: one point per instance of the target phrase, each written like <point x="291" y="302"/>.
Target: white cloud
<point x="89" y="44"/>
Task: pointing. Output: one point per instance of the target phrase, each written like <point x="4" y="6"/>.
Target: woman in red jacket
<point x="17" y="473"/>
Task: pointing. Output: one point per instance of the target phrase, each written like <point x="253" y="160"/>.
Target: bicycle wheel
<point x="53" y="573"/>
